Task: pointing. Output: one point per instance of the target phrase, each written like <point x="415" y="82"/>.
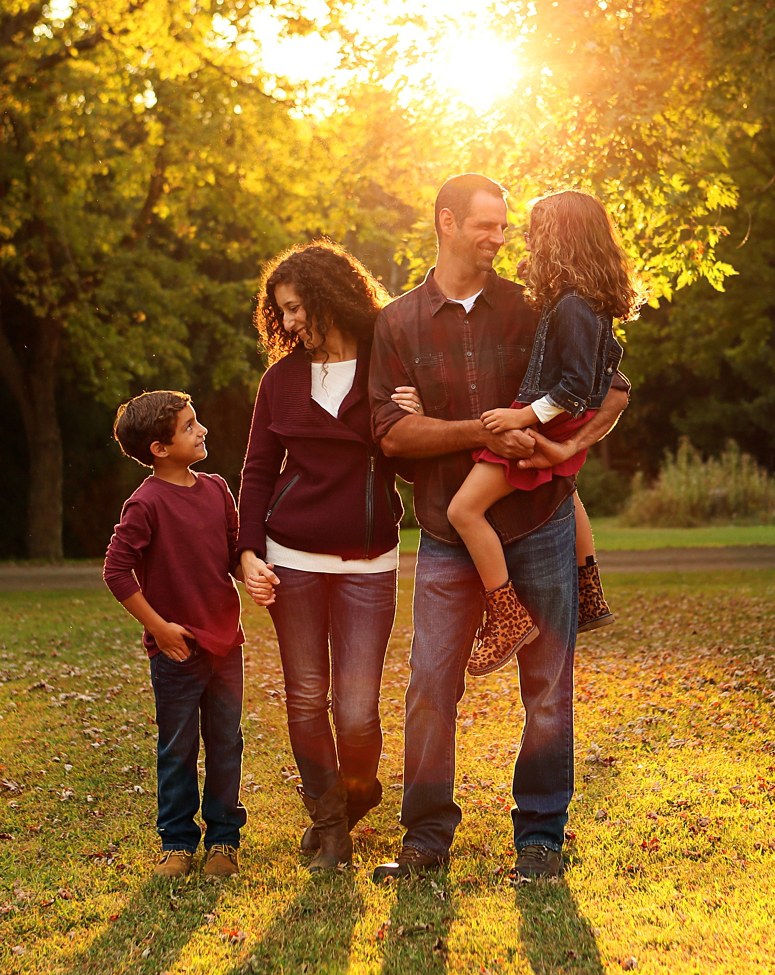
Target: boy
<point x="169" y="564"/>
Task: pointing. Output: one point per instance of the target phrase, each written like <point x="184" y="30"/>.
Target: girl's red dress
<point x="558" y="428"/>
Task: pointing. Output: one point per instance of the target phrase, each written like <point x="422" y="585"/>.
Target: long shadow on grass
<point x="161" y="918"/>
<point x="416" y="938"/>
<point x="314" y="932"/>
<point x="555" y="935"/>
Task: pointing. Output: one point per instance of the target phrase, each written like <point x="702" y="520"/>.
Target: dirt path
<point x="20" y="577"/>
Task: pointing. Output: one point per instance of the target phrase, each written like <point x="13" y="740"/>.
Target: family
<point x="360" y="388"/>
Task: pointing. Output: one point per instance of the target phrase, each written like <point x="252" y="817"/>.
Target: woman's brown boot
<point x="310" y="841"/>
<point x="329" y="822"/>
<point x="593" y="609"/>
<point x="507" y="628"/>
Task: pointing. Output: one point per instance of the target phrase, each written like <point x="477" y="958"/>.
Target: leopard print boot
<point x="593" y="609"/>
<point x="507" y="628"/>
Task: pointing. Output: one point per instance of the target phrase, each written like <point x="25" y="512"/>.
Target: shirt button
<point x="469" y="353"/>
<point x="465" y="321"/>
<point x="609" y="370"/>
<point x="416" y="361"/>
<point x="473" y="385"/>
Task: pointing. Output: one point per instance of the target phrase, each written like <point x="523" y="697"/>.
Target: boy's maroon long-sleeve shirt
<point x="178" y="546"/>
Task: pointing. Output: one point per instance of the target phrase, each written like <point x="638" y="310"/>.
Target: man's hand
<point x="260" y="580"/>
<point x="170" y="640"/>
<point x="511" y="444"/>
<point x="547" y="453"/>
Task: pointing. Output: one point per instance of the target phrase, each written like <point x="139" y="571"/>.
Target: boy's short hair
<point x="145" y="419"/>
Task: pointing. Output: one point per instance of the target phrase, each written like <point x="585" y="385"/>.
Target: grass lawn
<point x="670" y="841"/>
<point x="610" y="537"/>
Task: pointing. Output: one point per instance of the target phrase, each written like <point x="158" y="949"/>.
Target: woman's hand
<point x="260" y="580"/>
<point x="406" y="397"/>
<point x="501" y="420"/>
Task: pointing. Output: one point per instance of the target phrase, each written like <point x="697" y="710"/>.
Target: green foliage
<point x="692" y="491"/>
<point x="602" y="490"/>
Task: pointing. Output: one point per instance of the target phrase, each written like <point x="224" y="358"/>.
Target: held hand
<point x="408" y="399"/>
<point x="547" y="453"/>
<point x="170" y="640"/>
<point x="512" y="444"/>
<point x="501" y="420"/>
<point x="260" y="580"/>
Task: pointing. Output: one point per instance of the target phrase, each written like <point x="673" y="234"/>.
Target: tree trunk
<point x="44" y="503"/>
<point x="33" y="384"/>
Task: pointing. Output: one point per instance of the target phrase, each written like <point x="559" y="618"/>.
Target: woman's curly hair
<point x="575" y="244"/>
<point x="335" y="290"/>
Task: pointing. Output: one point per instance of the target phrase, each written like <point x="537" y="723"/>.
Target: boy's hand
<point x="260" y="580"/>
<point x="501" y="420"/>
<point x="170" y="640"/>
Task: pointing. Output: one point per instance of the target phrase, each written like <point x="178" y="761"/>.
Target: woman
<point x="319" y="517"/>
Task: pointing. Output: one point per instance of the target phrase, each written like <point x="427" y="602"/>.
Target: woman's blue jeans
<point x="448" y="604"/>
<point x="211" y="686"/>
<point x="333" y="632"/>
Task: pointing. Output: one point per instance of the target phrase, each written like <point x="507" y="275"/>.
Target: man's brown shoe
<point x="409" y="862"/>
<point x="538" y="861"/>
<point x="173" y="863"/>
<point x="221" y="861"/>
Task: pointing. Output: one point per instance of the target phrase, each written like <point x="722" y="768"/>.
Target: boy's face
<point x="188" y="442"/>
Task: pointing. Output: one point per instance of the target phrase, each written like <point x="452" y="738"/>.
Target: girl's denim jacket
<point x="574" y="357"/>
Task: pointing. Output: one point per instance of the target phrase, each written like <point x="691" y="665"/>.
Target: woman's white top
<point x="331" y="382"/>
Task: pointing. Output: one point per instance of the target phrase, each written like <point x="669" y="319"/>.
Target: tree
<point x="141" y="161"/>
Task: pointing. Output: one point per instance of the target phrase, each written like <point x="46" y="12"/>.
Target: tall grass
<point x="690" y="491"/>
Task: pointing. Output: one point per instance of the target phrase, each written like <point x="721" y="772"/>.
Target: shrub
<point x="690" y="491"/>
<point x="602" y="490"/>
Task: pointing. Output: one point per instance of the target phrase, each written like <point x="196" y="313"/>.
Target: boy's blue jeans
<point x="211" y="686"/>
<point x="447" y="610"/>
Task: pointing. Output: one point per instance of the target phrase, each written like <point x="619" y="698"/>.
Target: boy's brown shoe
<point x="221" y="861"/>
<point x="409" y="862"/>
<point x="173" y="863"/>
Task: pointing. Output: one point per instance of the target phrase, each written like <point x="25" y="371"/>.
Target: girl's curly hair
<point x="575" y="244"/>
<point x="335" y="290"/>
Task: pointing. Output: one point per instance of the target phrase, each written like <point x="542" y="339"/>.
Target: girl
<point x="578" y="274"/>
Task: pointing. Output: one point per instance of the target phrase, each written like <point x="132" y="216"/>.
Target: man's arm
<point x="547" y="453"/>
<point x="401" y="434"/>
<point x="426" y="436"/>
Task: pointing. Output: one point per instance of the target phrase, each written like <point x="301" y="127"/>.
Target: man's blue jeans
<point x="333" y="632"/>
<point x="447" y="610"/>
<point x="209" y="685"/>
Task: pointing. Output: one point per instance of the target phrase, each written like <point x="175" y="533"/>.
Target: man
<point x="463" y="338"/>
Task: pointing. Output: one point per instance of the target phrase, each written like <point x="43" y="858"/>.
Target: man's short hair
<point x="458" y="191"/>
<point x="145" y="419"/>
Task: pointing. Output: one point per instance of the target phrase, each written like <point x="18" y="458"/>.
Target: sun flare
<point x="477" y="70"/>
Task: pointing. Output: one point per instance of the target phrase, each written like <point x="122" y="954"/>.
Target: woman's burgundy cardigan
<point x="313" y="481"/>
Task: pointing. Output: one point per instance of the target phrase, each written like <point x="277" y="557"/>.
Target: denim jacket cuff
<point x="570" y="402"/>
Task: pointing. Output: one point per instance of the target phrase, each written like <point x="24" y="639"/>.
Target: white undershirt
<point x="467" y="303"/>
<point x="331" y="382"/>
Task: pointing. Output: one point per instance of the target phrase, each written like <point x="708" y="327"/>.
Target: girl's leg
<point x="585" y="543"/>
<point x="593" y="609"/>
<point x="485" y="485"/>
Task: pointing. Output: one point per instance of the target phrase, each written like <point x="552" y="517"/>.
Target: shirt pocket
<point x="512" y="364"/>
<point x="431" y="381"/>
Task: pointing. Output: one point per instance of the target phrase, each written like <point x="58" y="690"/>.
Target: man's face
<point x="479" y="237"/>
